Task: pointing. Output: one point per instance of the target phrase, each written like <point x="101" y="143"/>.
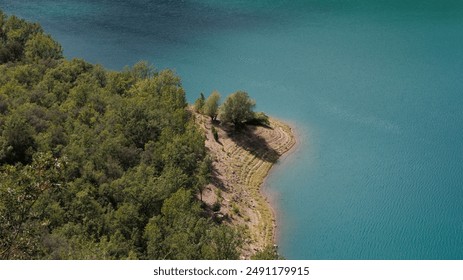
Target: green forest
<point x="98" y="164"/>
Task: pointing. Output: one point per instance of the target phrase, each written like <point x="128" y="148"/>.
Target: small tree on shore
<point x="211" y="105"/>
<point x="199" y="103"/>
<point x="237" y="109"/>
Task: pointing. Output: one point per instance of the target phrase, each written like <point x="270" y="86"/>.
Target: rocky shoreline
<point x="241" y="162"/>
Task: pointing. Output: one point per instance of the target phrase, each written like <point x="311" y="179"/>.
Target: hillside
<point x="97" y="164"/>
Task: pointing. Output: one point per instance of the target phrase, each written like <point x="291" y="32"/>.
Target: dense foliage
<point x="199" y="103"/>
<point x="211" y="105"/>
<point x="97" y="164"/>
<point x="238" y="110"/>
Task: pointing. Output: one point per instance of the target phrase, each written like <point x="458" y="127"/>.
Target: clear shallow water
<point x="375" y="89"/>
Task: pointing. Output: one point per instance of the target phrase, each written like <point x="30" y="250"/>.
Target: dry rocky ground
<point x="241" y="161"/>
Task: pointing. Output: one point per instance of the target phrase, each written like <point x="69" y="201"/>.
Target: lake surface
<point x="374" y="88"/>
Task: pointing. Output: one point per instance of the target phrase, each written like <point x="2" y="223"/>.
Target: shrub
<point x="215" y="134"/>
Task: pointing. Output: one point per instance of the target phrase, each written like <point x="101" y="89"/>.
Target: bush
<point x="216" y="206"/>
<point x="235" y="209"/>
<point x="215" y="134"/>
<point x="237" y="109"/>
<point x="199" y="103"/>
<point x="259" y="118"/>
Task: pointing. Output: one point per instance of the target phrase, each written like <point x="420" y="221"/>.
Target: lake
<point x="374" y="89"/>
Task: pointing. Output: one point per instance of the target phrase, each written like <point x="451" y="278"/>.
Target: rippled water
<point x="375" y="89"/>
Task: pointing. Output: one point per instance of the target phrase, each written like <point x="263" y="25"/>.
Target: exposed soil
<point x="241" y="161"/>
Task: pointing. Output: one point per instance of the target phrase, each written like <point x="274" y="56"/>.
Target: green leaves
<point x="42" y="48"/>
<point x="181" y="233"/>
<point x="22" y="215"/>
<point x="175" y="234"/>
<point x="97" y="164"/>
<point x="15" y="33"/>
<point x="237" y="109"/>
<point x="199" y="103"/>
<point x="211" y="105"/>
<point x="17" y="142"/>
<point x="268" y="253"/>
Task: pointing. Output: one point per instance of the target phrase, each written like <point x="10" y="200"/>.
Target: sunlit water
<point x="374" y="88"/>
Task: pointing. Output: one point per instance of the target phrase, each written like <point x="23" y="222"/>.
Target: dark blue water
<point x="375" y="89"/>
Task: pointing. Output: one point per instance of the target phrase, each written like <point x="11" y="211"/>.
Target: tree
<point x="268" y="253"/>
<point x="177" y="232"/>
<point x="143" y="70"/>
<point x="42" y="47"/>
<point x="211" y="105"/>
<point x="97" y="164"/>
<point x="21" y="219"/>
<point x="14" y="33"/>
<point x="237" y="109"/>
<point x="259" y="118"/>
<point x="199" y="103"/>
<point x="223" y="243"/>
<point x="17" y="143"/>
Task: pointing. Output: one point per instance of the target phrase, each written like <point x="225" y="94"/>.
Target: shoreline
<point x="241" y="164"/>
<point x="271" y="195"/>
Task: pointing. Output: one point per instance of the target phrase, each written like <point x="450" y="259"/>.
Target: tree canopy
<point x="96" y="164"/>
<point x="237" y="109"/>
<point x="211" y="105"/>
<point x="199" y="103"/>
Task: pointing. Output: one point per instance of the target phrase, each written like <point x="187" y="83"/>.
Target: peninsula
<point x="241" y="162"/>
<point x="98" y="164"/>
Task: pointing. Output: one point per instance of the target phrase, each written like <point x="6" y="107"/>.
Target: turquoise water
<point x="375" y="89"/>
